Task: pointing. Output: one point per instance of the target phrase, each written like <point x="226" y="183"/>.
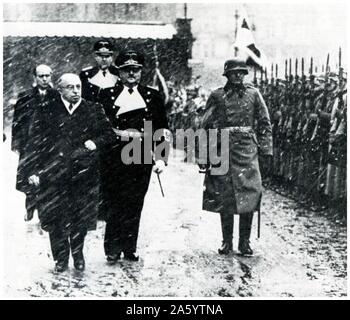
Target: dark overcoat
<point x="68" y="171"/>
<point x="28" y="102"/>
<point x="124" y="186"/>
<point x="244" y="112"/>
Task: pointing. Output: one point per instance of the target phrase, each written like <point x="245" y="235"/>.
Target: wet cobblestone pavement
<point x="300" y="253"/>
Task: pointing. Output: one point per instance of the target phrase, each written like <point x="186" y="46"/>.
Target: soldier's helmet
<point x="235" y="65"/>
<point x="103" y="47"/>
<point x="333" y="77"/>
<point x="130" y="57"/>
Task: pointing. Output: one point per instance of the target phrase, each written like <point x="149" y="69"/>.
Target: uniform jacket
<point x="91" y="91"/>
<point x="240" y="190"/>
<point x="129" y="182"/>
<point x="68" y="171"/>
<point x="24" y="109"/>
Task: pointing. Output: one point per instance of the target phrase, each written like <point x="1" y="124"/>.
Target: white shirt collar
<point x="129" y="102"/>
<point x="42" y="92"/>
<point x="66" y="104"/>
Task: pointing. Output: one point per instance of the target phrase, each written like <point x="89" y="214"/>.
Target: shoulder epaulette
<point x="152" y="88"/>
<point x="87" y="68"/>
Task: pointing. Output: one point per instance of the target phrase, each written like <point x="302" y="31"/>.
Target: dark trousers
<point x="122" y="229"/>
<point x="125" y="187"/>
<point x="63" y="241"/>
<point x="32" y="202"/>
<point x="245" y="226"/>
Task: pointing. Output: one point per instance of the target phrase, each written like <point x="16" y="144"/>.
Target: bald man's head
<point x="69" y="86"/>
<point x="43" y="76"/>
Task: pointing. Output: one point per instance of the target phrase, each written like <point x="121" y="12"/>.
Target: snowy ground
<point x="300" y="254"/>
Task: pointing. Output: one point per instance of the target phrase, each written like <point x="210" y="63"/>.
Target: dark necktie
<point x="70" y="107"/>
<point x="131" y="90"/>
<point x="104" y="73"/>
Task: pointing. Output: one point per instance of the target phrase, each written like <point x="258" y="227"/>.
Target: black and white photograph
<point x="174" y="151"/>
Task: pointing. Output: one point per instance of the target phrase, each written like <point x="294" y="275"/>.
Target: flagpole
<point x="236" y="29"/>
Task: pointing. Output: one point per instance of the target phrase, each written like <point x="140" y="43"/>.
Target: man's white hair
<point x="43" y="67"/>
<point x="67" y="77"/>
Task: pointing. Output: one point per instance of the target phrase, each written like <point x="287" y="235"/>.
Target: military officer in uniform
<point x="239" y="108"/>
<point x="129" y="105"/>
<point x="103" y="76"/>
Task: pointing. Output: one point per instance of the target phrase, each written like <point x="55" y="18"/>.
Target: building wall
<point x="70" y="54"/>
<point x="93" y="12"/>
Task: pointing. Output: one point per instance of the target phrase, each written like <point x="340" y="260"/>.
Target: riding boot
<point x="227" y="231"/>
<point x="245" y="227"/>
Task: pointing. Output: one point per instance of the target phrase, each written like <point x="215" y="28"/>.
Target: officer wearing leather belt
<point x="128" y="106"/>
<point x="239" y="108"/>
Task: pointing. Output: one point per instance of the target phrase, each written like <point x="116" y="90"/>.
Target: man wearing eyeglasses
<point x="64" y="143"/>
<point x="103" y="76"/>
<point x="129" y="106"/>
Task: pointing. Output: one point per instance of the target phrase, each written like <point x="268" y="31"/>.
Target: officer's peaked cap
<point x="129" y="57"/>
<point x="103" y="46"/>
<point x="235" y="65"/>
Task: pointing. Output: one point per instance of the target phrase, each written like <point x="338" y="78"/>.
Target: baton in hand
<point x="160" y="184"/>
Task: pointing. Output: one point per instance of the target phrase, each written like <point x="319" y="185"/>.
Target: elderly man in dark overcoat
<point x="28" y="102"/>
<point x="131" y="107"/>
<point x="239" y="108"/>
<point x="65" y="142"/>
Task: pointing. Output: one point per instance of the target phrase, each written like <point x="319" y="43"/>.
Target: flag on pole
<point x="247" y="49"/>
<point x="159" y="82"/>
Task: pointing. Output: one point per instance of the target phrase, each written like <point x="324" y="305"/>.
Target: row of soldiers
<point x="185" y="105"/>
<point x="308" y="115"/>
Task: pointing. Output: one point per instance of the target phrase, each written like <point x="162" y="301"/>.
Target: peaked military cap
<point x="130" y="57"/>
<point x="235" y="65"/>
<point x="103" y="47"/>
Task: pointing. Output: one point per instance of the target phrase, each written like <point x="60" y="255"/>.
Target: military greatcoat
<point x="243" y="112"/>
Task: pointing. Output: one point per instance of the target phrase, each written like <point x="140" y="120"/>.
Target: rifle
<point x="341" y="89"/>
<point x="325" y="90"/>
<point x="287" y="82"/>
<point x="255" y="80"/>
<point x="312" y="84"/>
<point x="303" y="86"/>
<point x="316" y="132"/>
<point x="296" y="79"/>
<point x="300" y="139"/>
<point x="272" y="79"/>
